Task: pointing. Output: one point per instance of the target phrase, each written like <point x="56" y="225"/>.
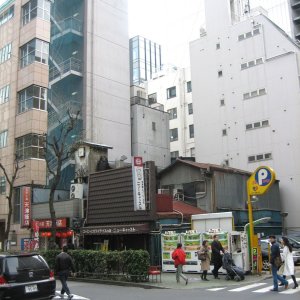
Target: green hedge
<point x="118" y="265"/>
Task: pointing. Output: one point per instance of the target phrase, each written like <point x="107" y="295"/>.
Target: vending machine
<point x="223" y="239"/>
<point x="169" y="241"/>
<point x="191" y="243"/>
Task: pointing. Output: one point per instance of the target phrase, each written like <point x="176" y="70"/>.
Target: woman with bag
<point x="289" y="269"/>
<point x="203" y="255"/>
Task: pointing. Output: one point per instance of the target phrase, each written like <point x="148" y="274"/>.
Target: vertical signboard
<point x="138" y="183"/>
<point x="36" y="238"/>
<point x="26" y="206"/>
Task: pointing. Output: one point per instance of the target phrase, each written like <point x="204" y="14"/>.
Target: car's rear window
<point x="14" y="265"/>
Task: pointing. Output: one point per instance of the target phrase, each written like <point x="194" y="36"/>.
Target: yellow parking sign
<point x="260" y="181"/>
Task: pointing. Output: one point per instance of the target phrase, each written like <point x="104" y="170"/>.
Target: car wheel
<point x="266" y="265"/>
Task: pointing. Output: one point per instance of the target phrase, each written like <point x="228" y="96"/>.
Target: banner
<point x="138" y="183"/>
<point x="36" y="238"/>
<point x="26" y="206"/>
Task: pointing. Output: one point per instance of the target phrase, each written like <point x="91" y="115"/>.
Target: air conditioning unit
<point x="76" y="191"/>
<point x="163" y="191"/>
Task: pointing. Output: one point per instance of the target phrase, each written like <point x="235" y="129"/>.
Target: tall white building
<point x="173" y="89"/>
<point x="246" y="100"/>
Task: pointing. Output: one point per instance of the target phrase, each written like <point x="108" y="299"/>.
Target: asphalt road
<point x="245" y="291"/>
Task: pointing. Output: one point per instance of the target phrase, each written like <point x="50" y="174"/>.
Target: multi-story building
<point x="172" y="88"/>
<point x="59" y="56"/>
<point x="145" y="59"/>
<point x="294" y="6"/>
<point x="247" y="112"/>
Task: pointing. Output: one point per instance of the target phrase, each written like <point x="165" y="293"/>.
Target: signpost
<point x="258" y="184"/>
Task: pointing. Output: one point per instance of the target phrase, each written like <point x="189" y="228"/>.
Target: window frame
<point x="28" y="95"/>
<point x="190" y="108"/>
<point x="30" y="146"/>
<point x="189" y="86"/>
<point x="3" y="138"/>
<point x="172" y="137"/>
<point x="172" y="113"/>
<point x="2" y="185"/>
<point x="191" y="131"/>
<point x="170" y="92"/>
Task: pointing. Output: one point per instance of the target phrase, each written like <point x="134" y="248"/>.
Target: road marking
<point x="216" y="289"/>
<point x="75" y="297"/>
<point x="290" y="291"/>
<point x="267" y="289"/>
<point x="247" y="287"/>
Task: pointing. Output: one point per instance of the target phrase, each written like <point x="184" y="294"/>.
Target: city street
<point x="245" y="290"/>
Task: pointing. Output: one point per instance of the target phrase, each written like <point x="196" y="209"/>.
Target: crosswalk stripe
<point x="290" y="291"/>
<point x="75" y="297"/>
<point x="267" y="289"/>
<point x="216" y="289"/>
<point x="247" y="287"/>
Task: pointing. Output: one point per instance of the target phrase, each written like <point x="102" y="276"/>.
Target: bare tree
<point x="10" y="179"/>
<point x="57" y="145"/>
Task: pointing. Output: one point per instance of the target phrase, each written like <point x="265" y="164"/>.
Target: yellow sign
<point x="260" y="181"/>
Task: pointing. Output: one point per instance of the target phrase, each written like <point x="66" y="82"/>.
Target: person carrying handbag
<point x="203" y="255"/>
<point x="276" y="262"/>
<point x="288" y="266"/>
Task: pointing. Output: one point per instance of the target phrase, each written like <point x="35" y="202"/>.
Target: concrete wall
<point x="106" y="92"/>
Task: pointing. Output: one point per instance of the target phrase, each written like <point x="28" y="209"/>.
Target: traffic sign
<point x="260" y="181"/>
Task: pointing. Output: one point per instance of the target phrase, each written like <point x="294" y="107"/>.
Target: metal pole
<point x="251" y="228"/>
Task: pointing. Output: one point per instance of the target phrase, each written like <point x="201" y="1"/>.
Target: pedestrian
<point x="63" y="265"/>
<point x="275" y="261"/>
<point x="179" y="256"/>
<point x="217" y="253"/>
<point x="205" y="260"/>
<point x="288" y="260"/>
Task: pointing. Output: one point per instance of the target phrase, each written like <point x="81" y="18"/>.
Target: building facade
<point x="59" y="56"/>
<point x="248" y="110"/>
<point x="145" y="59"/>
<point x="172" y="88"/>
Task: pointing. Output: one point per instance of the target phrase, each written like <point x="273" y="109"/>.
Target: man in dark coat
<point x="63" y="265"/>
<point x="216" y="255"/>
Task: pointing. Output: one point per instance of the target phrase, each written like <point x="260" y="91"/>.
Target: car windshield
<point x="16" y="264"/>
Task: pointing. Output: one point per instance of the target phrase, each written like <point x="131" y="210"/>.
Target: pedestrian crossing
<point x="260" y="288"/>
<point x="75" y="297"/>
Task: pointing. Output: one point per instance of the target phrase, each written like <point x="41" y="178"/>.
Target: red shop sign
<point x="26" y="206"/>
<point x="47" y="223"/>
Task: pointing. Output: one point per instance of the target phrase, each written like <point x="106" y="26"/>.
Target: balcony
<point x="67" y="26"/>
<point x="296" y="5"/>
<point x="64" y="69"/>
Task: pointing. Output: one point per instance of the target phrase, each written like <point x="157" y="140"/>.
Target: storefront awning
<point x="116" y="229"/>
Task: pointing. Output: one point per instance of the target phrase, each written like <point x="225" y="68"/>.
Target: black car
<point x="25" y="276"/>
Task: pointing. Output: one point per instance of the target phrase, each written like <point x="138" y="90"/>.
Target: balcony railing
<point x="68" y="24"/>
<point x="71" y="64"/>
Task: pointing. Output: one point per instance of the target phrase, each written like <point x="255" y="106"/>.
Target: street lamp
<point x="258" y="221"/>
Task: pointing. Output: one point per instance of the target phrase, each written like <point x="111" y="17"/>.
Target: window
<point x="35" y="8"/>
<point x="200" y="187"/>
<point x="5" y="53"/>
<point x="193" y="154"/>
<point x="224" y="132"/>
<point x="32" y="97"/>
<point x="259" y="61"/>
<point x="218" y="46"/>
<point x="190" y="108"/>
<point x="244" y="66"/>
<point x="174" y="154"/>
<point x="3" y="139"/>
<point x="2" y="185"/>
<point x="251" y="63"/>
<point x="191" y="131"/>
<point x="152" y="98"/>
<point x="7" y="15"/>
<point x="246" y="96"/>
<point x="248" y="34"/>
<point x="256" y="31"/>
<point x="30" y="146"/>
<point x="248" y="126"/>
<point x="220" y="73"/>
<point x="265" y="123"/>
<point x="174" y="134"/>
<point x="222" y="102"/>
<point x="259" y="157"/>
<point x="17" y="206"/>
<point x="36" y="50"/>
<point x="241" y="37"/>
<point x="189" y="87"/>
<point x="153" y="126"/>
<point x="4" y="94"/>
<point x="172" y="113"/>
<point x="256" y="124"/>
<point x="254" y="94"/>
<point x="262" y="91"/>
<point x="171" y="92"/>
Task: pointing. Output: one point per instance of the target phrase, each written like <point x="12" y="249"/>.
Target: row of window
<point x="30" y="146"/>
<point x="173" y="111"/>
<point x="257" y="125"/>
<point x="251" y="63"/>
<point x="35" y="8"/>
<point x="255" y="93"/>
<point x="174" y="133"/>
<point x="171" y="92"/>
<point x="249" y="34"/>
<point x="2" y="185"/>
<point x="5" y="53"/>
<point x="4" y="94"/>
<point x="259" y="157"/>
<point x="7" y="15"/>
<point x="175" y="154"/>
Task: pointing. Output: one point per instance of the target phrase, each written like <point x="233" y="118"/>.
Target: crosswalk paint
<point x="267" y="289"/>
<point x="216" y="289"/>
<point x="247" y="287"/>
<point x="75" y="297"/>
